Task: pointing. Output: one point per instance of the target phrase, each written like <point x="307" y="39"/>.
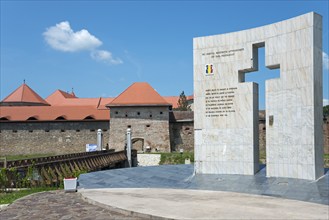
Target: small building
<point x="143" y="110"/>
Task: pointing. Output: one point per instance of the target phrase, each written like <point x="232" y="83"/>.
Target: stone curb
<point x="3" y="206"/>
<point x="123" y="211"/>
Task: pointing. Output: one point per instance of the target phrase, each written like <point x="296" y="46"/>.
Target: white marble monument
<point x="226" y="107"/>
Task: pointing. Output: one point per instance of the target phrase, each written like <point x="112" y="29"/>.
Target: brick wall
<point x="49" y="137"/>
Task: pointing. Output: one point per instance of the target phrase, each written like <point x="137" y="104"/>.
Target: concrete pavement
<point x="201" y="204"/>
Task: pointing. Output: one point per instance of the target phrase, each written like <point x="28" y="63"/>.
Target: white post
<point x="99" y="139"/>
<point x="129" y="146"/>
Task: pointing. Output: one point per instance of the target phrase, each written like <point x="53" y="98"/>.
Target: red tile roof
<point x="172" y="99"/>
<point x="50" y="113"/>
<point x="103" y="102"/>
<point x="139" y="94"/>
<point x="58" y="97"/>
<point x="190" y="97"/>
<point x="24" y="95"/>
<point x="59" y="105"/>
<point x="28" y="105"/>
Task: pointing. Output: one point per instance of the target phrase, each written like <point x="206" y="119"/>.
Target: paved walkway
<point x="57" y="205"/>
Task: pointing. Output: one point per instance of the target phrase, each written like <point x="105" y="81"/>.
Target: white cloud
<point x="325" y="60"/>
<point x="325" y="102"/>
<point x="62" y="37"/>
<point x="105" y="56"/>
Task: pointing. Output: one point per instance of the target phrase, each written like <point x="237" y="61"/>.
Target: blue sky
<point x="100" y="47"/>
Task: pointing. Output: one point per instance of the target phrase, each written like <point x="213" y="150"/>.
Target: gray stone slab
<point x="182" y="177"/>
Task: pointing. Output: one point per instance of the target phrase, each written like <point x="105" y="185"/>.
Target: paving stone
<point x="57" y="205"/>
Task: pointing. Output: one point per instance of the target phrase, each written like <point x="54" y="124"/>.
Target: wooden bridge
<point x="52" y="170"/>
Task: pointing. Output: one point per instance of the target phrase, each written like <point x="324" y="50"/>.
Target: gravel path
<point x="57" y="205"/>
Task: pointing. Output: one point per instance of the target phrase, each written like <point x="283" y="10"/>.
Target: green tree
<point x="326" y="110"/>
<point x="182" y="103"/>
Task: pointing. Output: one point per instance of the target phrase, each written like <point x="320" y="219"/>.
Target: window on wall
<point x="30" y="131"/>
<point x="14" y="131"/>
<point x="138" y="113"/>
<point x="104" y="130"/>
<point x="89" y="118"/>
<point x="148" y="126"/>
<point x="150" y="115"/>
<point x="46" y="130"/>
<point x="92" y="130"/>
<point x="161" y="113"/>
<point x="126" y="115"/>
<point x="62" y="130"/>
<point x="77" y="130"/>
<point x="116" y="112"/>
<point x="129" y="126"/>
<point x="32" y="119"/>
<point x="60" y="118"/>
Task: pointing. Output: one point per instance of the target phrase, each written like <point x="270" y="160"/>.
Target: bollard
<point x="129" y="146"/>
<point x="99" y="139"/>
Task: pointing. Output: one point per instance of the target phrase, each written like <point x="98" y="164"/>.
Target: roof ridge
<point x="24" y="95"/>
<point x="122" y="92"/>
<point x="24" y="85"/>
<point x="99" y="102"/>
<point x="139" y="94"/>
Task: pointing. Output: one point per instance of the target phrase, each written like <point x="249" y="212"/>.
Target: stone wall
<point x="62" y="137"/>
<point x="182" y="136"/>
<point x="326" y="135"/>
<point x="262" y="133"/>
<point x="181" y="130"/>
<point x="70" y="137"/>
<point x="150" y="127"/>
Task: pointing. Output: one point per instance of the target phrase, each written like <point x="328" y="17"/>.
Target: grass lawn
<point x="176" y="158"/>
<point x="11" y="196"/>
